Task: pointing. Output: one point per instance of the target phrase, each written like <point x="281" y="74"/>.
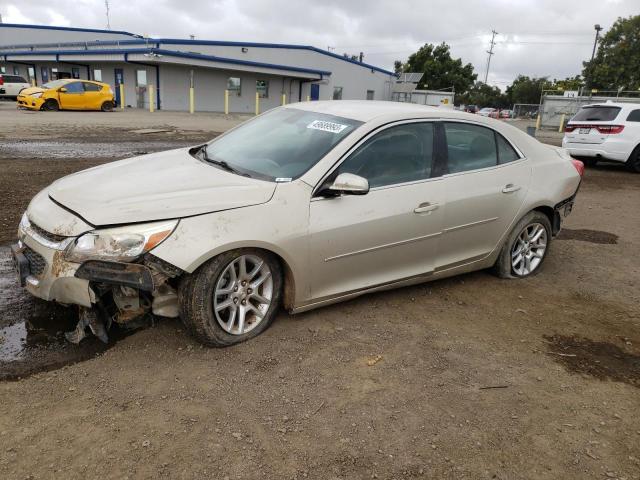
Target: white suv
<point x="605" y="131"/>
<point x="10" y="85"/>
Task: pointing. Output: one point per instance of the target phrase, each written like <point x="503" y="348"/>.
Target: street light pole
<point x="595" y="42"/>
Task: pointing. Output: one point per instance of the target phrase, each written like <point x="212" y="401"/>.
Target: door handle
<point x="425" y="207"/>
<point x="510" y="188"/>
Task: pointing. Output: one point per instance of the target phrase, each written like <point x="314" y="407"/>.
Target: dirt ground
<point x="470" y="377"/>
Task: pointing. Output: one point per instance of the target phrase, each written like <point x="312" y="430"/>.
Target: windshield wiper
<point x="220" y="163"/>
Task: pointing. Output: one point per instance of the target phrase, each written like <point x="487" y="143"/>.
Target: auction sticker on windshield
<point x="327" y="126"/>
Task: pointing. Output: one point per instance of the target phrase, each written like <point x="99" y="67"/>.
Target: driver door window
<point x="73" y="98"/>
<point x="396" y="155"/>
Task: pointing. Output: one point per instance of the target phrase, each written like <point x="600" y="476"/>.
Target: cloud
<point x="536" y="38"/>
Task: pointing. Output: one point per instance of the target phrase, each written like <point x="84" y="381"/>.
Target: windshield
<point x="282" y="143"/>
<point x="596" y="114"/>
<point x="55" y="84"/>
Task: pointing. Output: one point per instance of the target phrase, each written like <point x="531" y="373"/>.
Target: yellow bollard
<point x="122" y="102"/>
<point x="308" y="98"/>
<point x="257" y="103"/>
<point x="226" y="102"/>
<point x="561" y="127"/>
<point x="152" y="106"/>
<point x="192" y="100"/>
<point x="284" y="99"/>
<point x="538" y="120"/>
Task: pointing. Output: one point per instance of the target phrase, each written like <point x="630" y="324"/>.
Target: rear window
<point x="13" y="79"/>
<point x="596" y="114"/>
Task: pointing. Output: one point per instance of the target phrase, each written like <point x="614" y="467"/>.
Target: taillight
<point x="609" y="129"/>
<point x="604" y="129"/>
<point x="579" y="166"/>
<point x="1" y="80"/>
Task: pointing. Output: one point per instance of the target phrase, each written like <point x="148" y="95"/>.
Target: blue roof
<point x="160" y="51"/>
<point x="180" y="41"/>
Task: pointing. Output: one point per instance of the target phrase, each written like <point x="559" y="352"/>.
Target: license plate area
<point x="584" y="131"/>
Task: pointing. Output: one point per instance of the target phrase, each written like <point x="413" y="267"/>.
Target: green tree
<point x="527" y="90"/>
<point x="440" y="69"/>
<point x="569" y="83"/>
<point x="617" y="63"/>
<point x="483" y="95"/>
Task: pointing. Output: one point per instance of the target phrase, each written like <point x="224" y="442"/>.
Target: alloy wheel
<point x="243" y="294"/>
<point x="529" y="249"/>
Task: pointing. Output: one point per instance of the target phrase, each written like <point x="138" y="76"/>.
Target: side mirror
<point x="349" y="184"/>
<point x="62" y="89"/>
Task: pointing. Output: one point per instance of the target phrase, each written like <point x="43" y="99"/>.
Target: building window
<point x="44" y="74"/>
<point x="54" y="73"/>
<point x="371" y="94"/>
<point x="16" y="70"/>
<point x="3" y="70"/>
<point x="262" y="87"/>
<point x="337" y="93"/>
<point x="31" y="73"/>
<point x="75" y="72"/>
<point x="233" y="85"/>
<point x="97" y="75"/>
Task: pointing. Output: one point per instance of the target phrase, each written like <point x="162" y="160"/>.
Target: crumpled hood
<point x="32" y="90"/>
<point x="158" y="186"/>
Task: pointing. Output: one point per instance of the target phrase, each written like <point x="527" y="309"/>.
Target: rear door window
<point x="596" y="114"/>
<point x="506" y="152"/>
<point x="74" y="87"/>
<point x="634" y="116"/>
<point x="470" y="147"/>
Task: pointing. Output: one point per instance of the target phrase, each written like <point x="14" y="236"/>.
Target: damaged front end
<point x="127" y="294"/>
<point x="108" y="272"/>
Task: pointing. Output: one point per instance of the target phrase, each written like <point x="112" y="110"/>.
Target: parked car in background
<point x="471" y="109"/>
<point x="68" y="94"/>
<point x="506" y="113"/>
<point x="305" y="205"/>
<point x="487" y="112"/>
<point x="12" y="85"/>
<point x="607" y="131"/>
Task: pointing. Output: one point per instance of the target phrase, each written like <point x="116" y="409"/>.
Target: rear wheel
<point x="633" y="164"/>
<point x="107" y="106"/>
<point x="526" y="247"/>
<point x="232" y="298"/>
<point x="51" y="105"/>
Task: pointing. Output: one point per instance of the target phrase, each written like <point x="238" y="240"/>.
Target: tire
<point x="633" y="164"/>
<point x="205" y="315"/>
<point x="51" y="105"/>
<point x="107" y="106"/>
<point x="532" y="221"/>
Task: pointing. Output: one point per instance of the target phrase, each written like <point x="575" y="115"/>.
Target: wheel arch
<point x="289" y="277"/>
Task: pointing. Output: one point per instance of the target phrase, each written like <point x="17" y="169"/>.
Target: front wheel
<point x="526" y="247"/>
<point x="232" y="298"/>
<point x="51" y="105"/>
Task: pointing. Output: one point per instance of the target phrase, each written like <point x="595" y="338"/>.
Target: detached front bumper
<point x="44" y="272"/>
<point x="27" y="101"/>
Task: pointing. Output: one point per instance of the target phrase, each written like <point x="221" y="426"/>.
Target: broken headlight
<point x="120" y="244"/>
<point x="36" y="95"/>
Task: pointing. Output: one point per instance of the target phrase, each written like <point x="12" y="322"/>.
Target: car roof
<point x="368" y="110"/>
<point x="613" y="104"/>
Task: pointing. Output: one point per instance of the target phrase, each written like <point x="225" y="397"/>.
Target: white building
<point x="171" y="66"/>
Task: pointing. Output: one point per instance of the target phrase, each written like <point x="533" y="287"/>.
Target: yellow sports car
<point x="68" y="94"/>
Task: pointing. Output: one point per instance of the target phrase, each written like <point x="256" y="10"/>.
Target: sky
<point x="535" y="37"/>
